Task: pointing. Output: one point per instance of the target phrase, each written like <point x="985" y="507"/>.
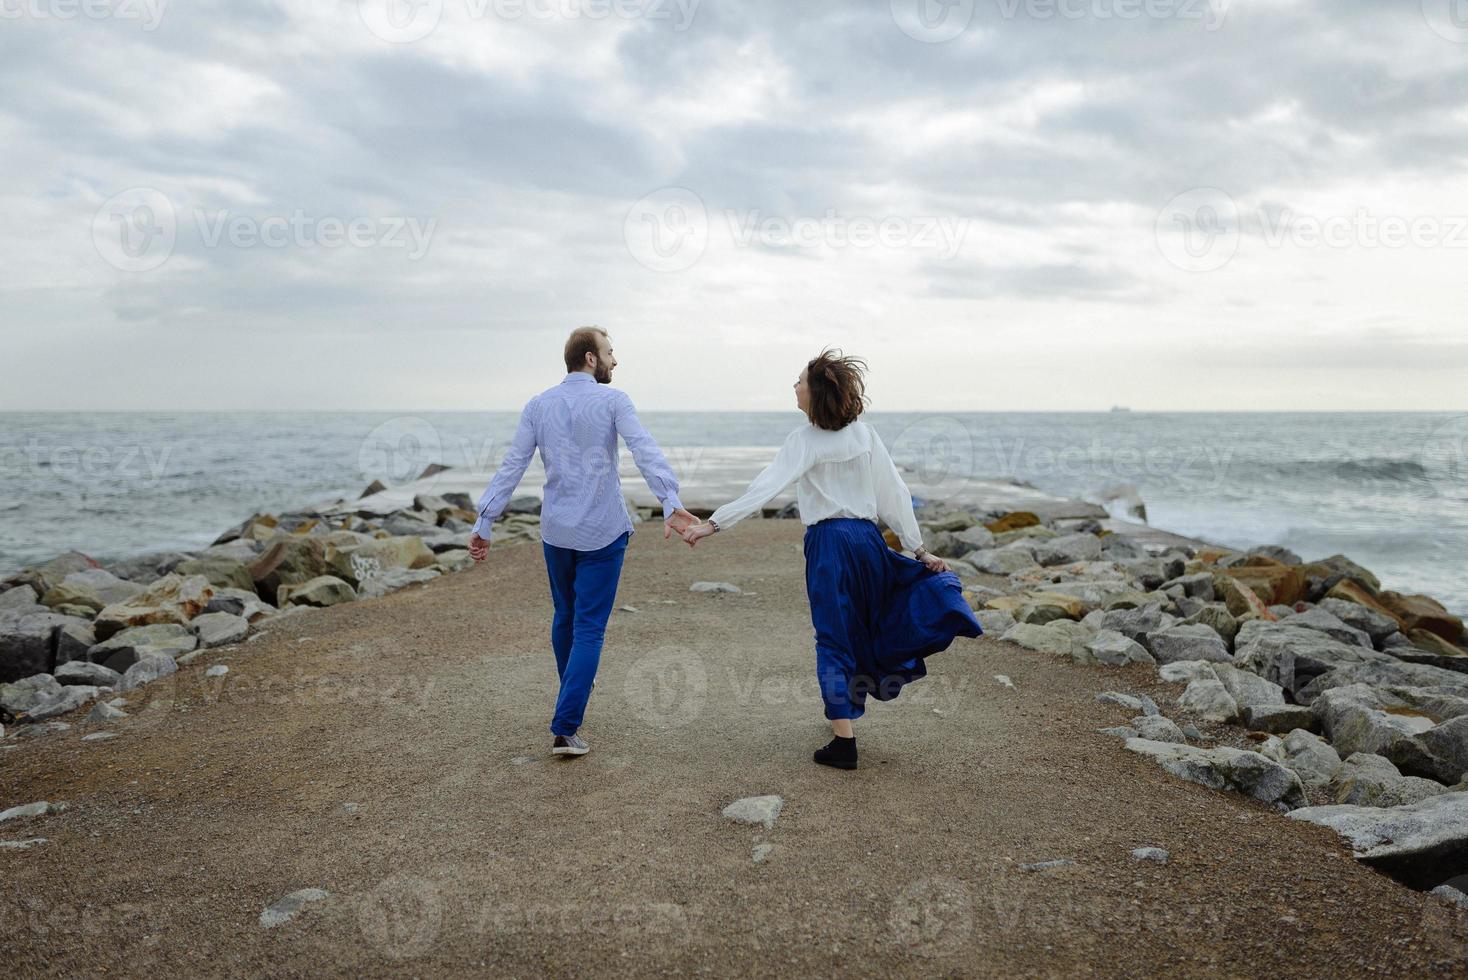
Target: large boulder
<point x="1190" y="641"/>
<point x="220" y="572"/>
<point x="1227" y="768"/>
<point x="1136" y="624"/>
<point x="1215" y="616"/>
<point x="287" y="561"/>
<point x="240" y="602"/>
<point x="1358" y="718"/>
<point x="18" y="601"/>
<point x="1274" y="582"/>
<point x="1291" y="656"/>
<point x="27" y="644"/>
<point x="1447" y="744"/>
<point x="1067" y="549"/>
<point x="1116" y="650"/>
<point x="1247" y="688"/>
<point x="85" y="672"/>
<point x="1277" y="718"/>
<point x="1209" y="700"/>
<point x="1001" y="561"/>
<point x="1414" y="843"/>
<point x="93" y="588"/>
<point x="149" y="668"/>
<point x="1041" y="608"/>
<point x="26" y="693"/>
<point x="172" y="599"/>
<point x="1376" y="625"/>
<point x="219" y="629"/>
<point x="1325" y="621"/>
<point x="358" y="562"/>
<point x="1422" y="612"/>
<point x="1241" y="600"/>
<point x="1370" y="780"/>
<point x="394" y="579"/>
<point x="124" y="649"/>
<point x="43" y="578"/>
<point x="1310" y="757"/>
<point x="70" y="698"/>
<point x="324" y="590"/>
<point x="1062" y="637"/>
<point x="1389" y="674"/>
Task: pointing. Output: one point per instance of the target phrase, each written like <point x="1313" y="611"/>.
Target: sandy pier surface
<point x="394" y="754"/>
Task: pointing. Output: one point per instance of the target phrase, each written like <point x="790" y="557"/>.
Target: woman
<point x="877" y="614"/>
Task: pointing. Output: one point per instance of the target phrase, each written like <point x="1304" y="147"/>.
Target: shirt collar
<point x="576" y="377"/>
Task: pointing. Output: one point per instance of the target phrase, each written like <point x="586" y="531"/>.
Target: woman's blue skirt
<point x="876" y="613"/>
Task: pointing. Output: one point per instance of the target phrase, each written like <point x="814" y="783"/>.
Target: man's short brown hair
<point x="837" y="389"/>
<point x="583" y="341"/>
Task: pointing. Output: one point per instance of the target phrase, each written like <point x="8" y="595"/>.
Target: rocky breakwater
<point x="75" y="632"/>
<point x="1303" y="684"/>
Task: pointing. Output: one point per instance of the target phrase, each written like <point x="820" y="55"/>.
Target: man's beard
<point x="603" y="375"/>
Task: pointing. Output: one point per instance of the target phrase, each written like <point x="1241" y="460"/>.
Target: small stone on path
<point x="285" y="909"/>
<point x="762" y="851"/>
<point x="1151" y="854"/>
<point x="99" y="736"/>
<point x="760" y="810"/>
<point x="1046" y="865"/>
<point x="1002" y="679"/>
<point x="723" y="587"/>
<point x="23" y="844"/>
<point x="218" y="670"/>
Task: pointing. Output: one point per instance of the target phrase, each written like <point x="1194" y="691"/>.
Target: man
<point x="584" y="525"/>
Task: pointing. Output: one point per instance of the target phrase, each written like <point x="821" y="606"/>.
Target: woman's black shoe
<point x="839" y="753"/>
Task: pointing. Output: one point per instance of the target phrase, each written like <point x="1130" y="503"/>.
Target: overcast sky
<point x="1002" y="205"/>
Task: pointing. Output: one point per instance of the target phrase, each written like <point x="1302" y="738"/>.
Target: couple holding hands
<point x="876" y="613"/>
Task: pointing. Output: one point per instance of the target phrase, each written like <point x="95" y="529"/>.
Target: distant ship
<point x="1120" y="408"/>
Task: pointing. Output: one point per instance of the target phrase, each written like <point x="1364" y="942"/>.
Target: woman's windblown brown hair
<point x="837" y="389"/>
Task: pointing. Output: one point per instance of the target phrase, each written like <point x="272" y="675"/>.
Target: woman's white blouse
<point x="847" y="473"/>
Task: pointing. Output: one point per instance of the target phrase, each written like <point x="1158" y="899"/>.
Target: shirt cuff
<point x="482" y="528"/>
<point x="670" y="504"/>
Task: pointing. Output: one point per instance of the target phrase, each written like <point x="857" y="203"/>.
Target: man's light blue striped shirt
<point x="575" y="426"/>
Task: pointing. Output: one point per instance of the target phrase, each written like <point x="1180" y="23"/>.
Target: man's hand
<point x="478" y="548"/>
<point x="677" y="523"/>
<point x="693" y="534"/>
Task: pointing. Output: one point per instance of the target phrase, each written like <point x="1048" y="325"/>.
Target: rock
<point x="1331" y="625"/>
<point x="1068" y="548"/>
<point x="1274" y="582"/>
<point x="172" y="599"/>
<point x="994" y="621"/>
<point x="1369" y="780"/>
<point x="102" y="712"/>
<point x="1216" y="617"/>
<point x="219" y="629"/>
<point x="1414" y="842"/>
<point x="1376" y="625"/>
<point x="71" y="697"/>
<point x="1291" y="655"/>
<point x="287" y="908"/>
<point x="239" y="602"/>
<point x="720" y="587"/>
<point x="149" y="667"/>
<point x="1240" y="600"/>
<point x="1310" y="757"/>
<point x="1118" y="546"/>
<point x="1447" y="744"/>
<point x="291" y="561"/>
<point x="27" y="644"/>
<point x="1041" y="609"/>
<point x="1013" y="521"/>
<point x="44" y="578"/>
<point x="1450" y="894"/>
<point x="1156" y="854"/>
<point x="99" y="736"/>
<point x="1429" y="648"/>
<point x="357" y="562"/>
<point x="1227" y="768"/>
<point x="1209" y="700"/>
<point x="761" y="810"/>
<point x="126" y="648"/>
<point x="21" y="845"/>
<point x="1278" y="553"/>
<point x="1278" y="719"/>
<point x="1357" y="718"/>
<point x="1047" y="865"/>
<point x="1115" y="649"/>
<point x="455" y="560"/>
<point x="19" y="601"/>
<point x="83" y="672"/>
<point x="1249" y="689"/>
<point x="218" y="670"/>
<point x="220" y="572"/>
<point x="40" y="809"/>
<point x="28" y="692"/>
<point x="1196" y="586"/>
<point x="393" y="579"/>
<point x="1001" y="561"/>
<point x="1136" y="624"/>
<point x="93" y="589"/>
<point x="1187" y="642"/>
<point x="324" y="590"/>
<point x="1183" y="671"/>
<point x="1422" y="612"/>
<point x="519" y="505"/>
<point x="1062" y="637"/>
<point x="1128" y="701"/>
<point x="1004" y="681"/>
<point x="1156" y="728"/>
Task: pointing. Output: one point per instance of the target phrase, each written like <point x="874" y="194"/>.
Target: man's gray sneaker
<point x="569" y="745"/>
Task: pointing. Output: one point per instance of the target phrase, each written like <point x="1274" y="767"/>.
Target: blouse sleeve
<point x="894" y="500"/>
<point x="793" y="459"/>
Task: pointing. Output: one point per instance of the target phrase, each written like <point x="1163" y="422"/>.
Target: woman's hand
<point x="934" y="563"/>
<point x="697" y="531"/>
